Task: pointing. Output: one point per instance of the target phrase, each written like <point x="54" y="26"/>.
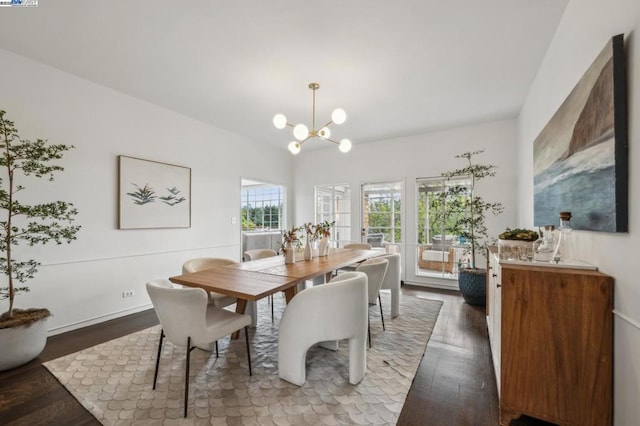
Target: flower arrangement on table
<point x="324" y="232"/>
<point x="324" y="229"/>
<point x="290" y="239"/>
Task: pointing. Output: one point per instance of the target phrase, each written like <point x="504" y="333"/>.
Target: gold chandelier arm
<point x="329" y="140"/>
<point x="305" y="139"/>
<point x="328" y="124"/>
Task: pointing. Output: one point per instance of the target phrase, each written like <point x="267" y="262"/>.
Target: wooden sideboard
<point x="551" y="334"/>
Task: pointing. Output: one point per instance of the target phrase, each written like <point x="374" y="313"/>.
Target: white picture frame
<point x="153" y="194"/>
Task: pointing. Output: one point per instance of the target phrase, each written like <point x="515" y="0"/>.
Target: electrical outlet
<point x="128" y="293"/>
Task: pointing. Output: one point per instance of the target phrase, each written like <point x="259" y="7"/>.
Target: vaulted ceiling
<point x="396" y="67"/>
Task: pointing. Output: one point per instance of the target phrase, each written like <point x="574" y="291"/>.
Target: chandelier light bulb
<point x="300" y="132"/>
<point x="345" y="145"/>
<point x="338" y="116"/>
<point x="280" y="121"/>
<point x="324" y="133"/>
<point x="294" y="147"/>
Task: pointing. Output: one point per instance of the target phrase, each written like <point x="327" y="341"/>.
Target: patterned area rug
<point x="113" y="380"/>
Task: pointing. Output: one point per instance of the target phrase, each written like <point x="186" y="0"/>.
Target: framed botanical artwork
<point x="153" y="194"/>
<point x="580" y="158"/>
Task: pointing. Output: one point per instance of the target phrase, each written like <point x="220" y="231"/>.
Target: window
<point x="381" y="213"/>
<point x="441" y="251"/>
<point x="333" y="203"/>
<point x="262" y="206"/>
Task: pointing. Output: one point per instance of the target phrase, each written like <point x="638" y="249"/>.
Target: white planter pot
<point x="22" y="344"/>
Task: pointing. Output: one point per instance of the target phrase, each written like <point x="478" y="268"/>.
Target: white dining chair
<point x="259" y="254"/>
<point x="189" y="321"/>
<point x="203" y="263"/>
<point x="392" y="281"/>
<point x="375" y="269"/>
<point x="358" y="246"/>
<point x="256" y="254"/>
<point x="334" y="311"/>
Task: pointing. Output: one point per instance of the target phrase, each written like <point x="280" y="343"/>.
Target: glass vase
<point x="561" y="251"/>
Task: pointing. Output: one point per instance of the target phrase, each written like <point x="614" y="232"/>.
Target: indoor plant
<point x="22" y="332"/>
<point x="311" y="235"/>
<point x="324" y="232"/>
<point x="517" y="244"/>
<point x="470" y="226"/>
<point x="290" y="244"/>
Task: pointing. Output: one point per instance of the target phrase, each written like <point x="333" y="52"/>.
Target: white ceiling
<point x="396" y="67"/>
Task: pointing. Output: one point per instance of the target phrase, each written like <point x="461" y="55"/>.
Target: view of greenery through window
<point x="262" y="206"/>
<point x="441" y="251"/>
<point x="436" y="217"/>
<point x="382" y="210"/>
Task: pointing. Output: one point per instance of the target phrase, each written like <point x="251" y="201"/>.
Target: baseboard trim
<point x="97" y="320"/>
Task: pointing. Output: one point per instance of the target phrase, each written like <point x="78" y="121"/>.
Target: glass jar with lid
<point x="561" y="251"/>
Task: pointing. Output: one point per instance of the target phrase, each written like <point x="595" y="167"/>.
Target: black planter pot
<point x="473" y="286"/>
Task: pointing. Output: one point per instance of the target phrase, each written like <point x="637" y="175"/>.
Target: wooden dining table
<point x="253" y="280"/>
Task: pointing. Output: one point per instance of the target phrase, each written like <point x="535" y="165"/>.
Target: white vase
<point x="289" y="255"/>
<point x="307" y="251"/>
<point x="323" y="248"/>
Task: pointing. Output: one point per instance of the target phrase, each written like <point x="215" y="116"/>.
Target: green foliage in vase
<point x="290" y="238"/>
<point x="471" y="225"/>
<point x="519" y="234"/>
<point x="23" y="223"/>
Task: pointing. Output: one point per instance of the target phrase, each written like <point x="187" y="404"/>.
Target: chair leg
<point x="186" y="376"/>
<point x="246" y="335"/>
<point x="155" y="375"/>
<point x="216" y="349"/>
<point x="381" y="315"/>
<point x="369" y="329"/>
<point x="271" y="308"/>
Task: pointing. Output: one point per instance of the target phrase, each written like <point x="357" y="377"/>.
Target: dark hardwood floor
<point x="454" y="385"/>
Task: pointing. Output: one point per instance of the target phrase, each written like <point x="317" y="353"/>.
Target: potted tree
<point x="470" y="224"/>
<point x="22" y="332"/>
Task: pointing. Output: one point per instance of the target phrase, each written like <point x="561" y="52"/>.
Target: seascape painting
<point x="580" y="157"/>
<point x="153" y="194"/>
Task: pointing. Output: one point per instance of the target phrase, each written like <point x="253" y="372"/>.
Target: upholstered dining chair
<point x="358" y="246"/>
<point x="187" y="320"/>
<point x="376" y="270"/>
<point x="392" y="281"/>
<point x="202" y="263"/>
<point x="333" y="311"/>
<point x="355" y="246"/>
<point x="261" y="254"/>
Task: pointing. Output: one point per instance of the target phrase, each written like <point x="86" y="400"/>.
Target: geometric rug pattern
<point x="113" y="380"/>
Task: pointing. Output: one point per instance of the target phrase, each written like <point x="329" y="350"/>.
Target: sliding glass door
<point x="382" y="215"/>
<point x="440" y="250"/>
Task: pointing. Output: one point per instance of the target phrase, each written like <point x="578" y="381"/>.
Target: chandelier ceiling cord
<point x="302" y="132"/>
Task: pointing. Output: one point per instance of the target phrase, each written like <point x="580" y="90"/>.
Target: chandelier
<point x="302" y="133"/>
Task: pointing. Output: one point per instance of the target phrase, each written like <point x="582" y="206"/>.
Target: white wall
<point x="408" y="158"/>
<point x="584" y="30"/>
<point x="83" y="282"/>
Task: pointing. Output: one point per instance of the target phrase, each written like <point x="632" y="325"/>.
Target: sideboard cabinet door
<point x="556" y="340"/>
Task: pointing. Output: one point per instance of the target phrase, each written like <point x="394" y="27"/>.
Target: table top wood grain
<point x="256" y="279"/>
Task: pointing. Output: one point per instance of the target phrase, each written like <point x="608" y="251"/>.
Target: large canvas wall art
<point x="580" y="157"/>
<point x="153" y="194"/>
